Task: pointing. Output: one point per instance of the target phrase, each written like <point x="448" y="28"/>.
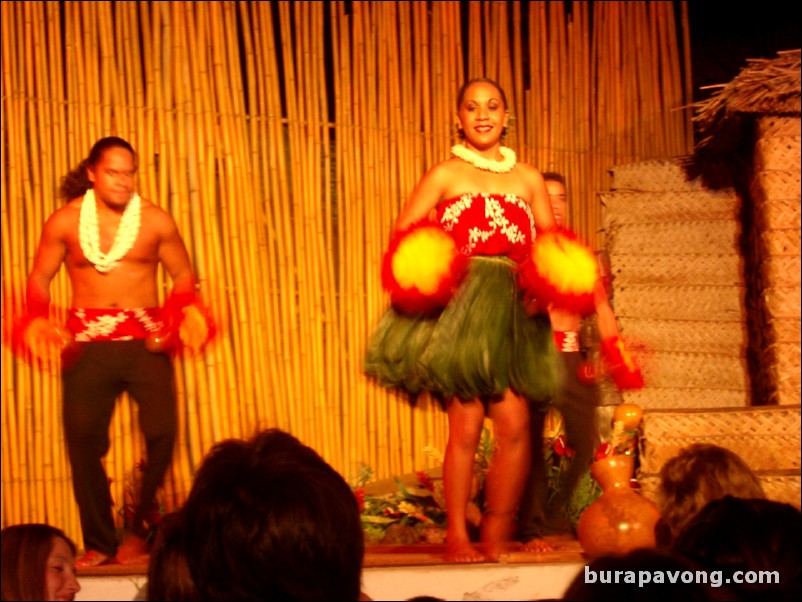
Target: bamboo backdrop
<point x="284" y="138"/>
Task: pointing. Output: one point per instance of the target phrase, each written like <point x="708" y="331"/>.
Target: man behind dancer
<point x="577" y="401"/>
<point x="111" y="242"/>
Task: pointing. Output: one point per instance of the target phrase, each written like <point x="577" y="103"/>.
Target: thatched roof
<point x="765" y="86"/>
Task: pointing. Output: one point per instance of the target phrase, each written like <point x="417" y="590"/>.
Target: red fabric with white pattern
<point x="489" y="224"/>
<point x="566" y="342"/>
<point x="113" y="324"/>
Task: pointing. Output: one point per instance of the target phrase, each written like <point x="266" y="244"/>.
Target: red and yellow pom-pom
<point x="561" y="270"/>
<point x="422" y="267"/>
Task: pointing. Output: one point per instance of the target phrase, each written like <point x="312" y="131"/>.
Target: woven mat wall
<point x="719" y="338"/>
<point x="696" y="303"/>
<point x="678" y="285"/>
<point x="766" y="438"/>
<point x="630" y="206"/>
<point x="775" y="189"/>
<point x="780" y="486"/>
<point x="678" y="269"/>
<point x="657" y="175"/>
<point x="681" y="238"/>
<point x="660" y="398"/>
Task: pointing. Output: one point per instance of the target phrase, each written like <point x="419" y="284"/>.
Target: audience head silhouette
<point x="266" y="519"/>
<point x="699" y="474"/>
<point x="749" y="535"/>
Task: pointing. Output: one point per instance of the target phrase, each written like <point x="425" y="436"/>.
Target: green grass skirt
<point x="480" y="345"/>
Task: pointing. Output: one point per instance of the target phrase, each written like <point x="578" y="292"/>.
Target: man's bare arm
<point x="605" y="318"/>
<point x="50" y="254"/>
<point x="541" y="207"/>
<point x="174" y="257"/>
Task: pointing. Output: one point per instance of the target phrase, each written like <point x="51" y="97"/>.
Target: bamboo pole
<point x="688" y="82"/>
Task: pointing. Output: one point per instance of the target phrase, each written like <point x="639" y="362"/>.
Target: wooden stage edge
<point x="566" y="549"/>
<point x="399" y="572"/>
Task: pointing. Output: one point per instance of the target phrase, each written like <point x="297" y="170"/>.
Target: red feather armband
<point x="35" y="334"/>
<point x="422" y="268"/>
<point x="187" y="324"/>
<point x="620" y="364"/>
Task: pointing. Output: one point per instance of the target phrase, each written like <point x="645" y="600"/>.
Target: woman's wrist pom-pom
<point x="421" y="268"/>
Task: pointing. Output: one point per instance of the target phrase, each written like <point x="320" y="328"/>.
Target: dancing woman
<point x="482" y="354"/>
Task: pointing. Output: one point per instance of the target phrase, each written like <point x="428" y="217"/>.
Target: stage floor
<point x="398" y="572"/>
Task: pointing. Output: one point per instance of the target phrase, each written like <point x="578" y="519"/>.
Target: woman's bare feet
<point x="463" y="552"/>
<point x="536" y="544"/>
<point x="497" y="529"/>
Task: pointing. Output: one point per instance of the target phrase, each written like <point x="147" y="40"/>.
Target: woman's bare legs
<point x="465" y="421"/>
<point x="508" y="472"/>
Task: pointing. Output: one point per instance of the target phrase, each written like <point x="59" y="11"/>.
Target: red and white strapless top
<point x="489" y="224"/>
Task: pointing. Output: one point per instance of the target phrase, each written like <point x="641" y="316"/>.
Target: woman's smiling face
<point x="482" y="116"/>
<point x="60" y="580"/>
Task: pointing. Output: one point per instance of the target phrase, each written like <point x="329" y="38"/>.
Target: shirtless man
<point x="577" y="401"/>
<point x="111" y="242"/>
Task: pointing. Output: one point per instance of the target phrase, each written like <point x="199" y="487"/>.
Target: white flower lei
<point x="480" y="162"/>
<point x="89" y="232"/>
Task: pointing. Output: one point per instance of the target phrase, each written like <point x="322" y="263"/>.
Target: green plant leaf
<point x="379" y="520"/>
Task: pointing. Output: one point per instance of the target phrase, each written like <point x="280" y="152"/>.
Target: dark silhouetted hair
<point x="76" y="182"/>
<point x="268" y="519"/>
<point x="168" y="573"/>
<point x="25" y="550"/>
<point x="480" y="80"/>
<point x="739" y="534"/>
<point x="553" y="176"/>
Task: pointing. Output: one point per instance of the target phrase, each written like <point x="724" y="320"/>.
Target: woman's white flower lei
<point x="480" y="162"/>
<point x="89" y="232"/>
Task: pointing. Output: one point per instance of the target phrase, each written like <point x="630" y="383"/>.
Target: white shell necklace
<point x="480" y="162"/>
<point x="89" y="232"/>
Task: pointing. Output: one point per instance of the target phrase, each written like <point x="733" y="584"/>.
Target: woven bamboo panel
<point x="787" y="393"/>
<point x="776" y="126"/>
<point x="693" y="370"/>
<point x="782" y="214"/>
<point x="670" y="398"/>
<point x="724" y="338"/>
<point x="692" y="237"/>
<point x="787" y="397"/>
<point x="768" y="185"/>
<point x="779" y="486"/>
<point x="720" y="303"/>
<point x="764" y="452"/>
<point x="766" y="438"/>
<point x="777" y="153"/>
<point x="782" y="302"/>
<point x="639" y="207"/>
<point x="677" y="269"/>
<point x="781" y="242"/>
<point x="782" y="488"/>
<point x="782" y="271"/>
<point x="653" y="175"/>
<point x="785" y="330"/>
<point x="785" y="365"/>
